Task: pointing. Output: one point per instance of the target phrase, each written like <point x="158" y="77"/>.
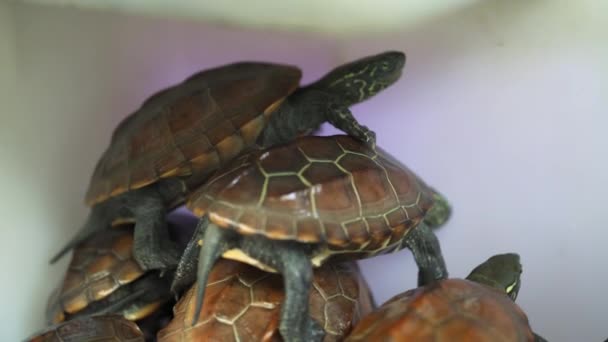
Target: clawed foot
<point x="164" y="258"/>
<point x="313" y="332"/>
<point x="341" y="117"/>
<point x="365" y="135"/>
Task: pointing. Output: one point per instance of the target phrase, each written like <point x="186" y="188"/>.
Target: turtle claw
<point x="368" y="137"/>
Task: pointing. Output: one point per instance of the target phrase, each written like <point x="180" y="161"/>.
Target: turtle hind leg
<point x="426" y="250"/>
<point x="216" y="241"/>
<point x="95" y="222"/>
<point x="153" y="248"/>
<point x="292" y="260"/>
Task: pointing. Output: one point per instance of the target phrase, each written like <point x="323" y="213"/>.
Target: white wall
<point x="502" y="107"/>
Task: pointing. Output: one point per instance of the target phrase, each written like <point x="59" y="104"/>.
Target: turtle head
<point x="439" y="213"/>
<point x="361" y="79"/>
<point x="502" y="271"/>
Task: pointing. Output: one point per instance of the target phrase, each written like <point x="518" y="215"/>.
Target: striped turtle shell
<point x="102" y="272"/>
<point x="244" y="303"/>
<point x="92" y="329"/>
<point x="449" y="310"/>
<point x="190" y="129"/>
<point x="333" y="190"/>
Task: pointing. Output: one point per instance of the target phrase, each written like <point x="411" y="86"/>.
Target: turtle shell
<point x="244" y="304"/>
<point x="192" y="128"/>
<point x="113" y="328"/>
<point x="100" y="267"/>
<point x="331" y="190"/>
<point x="448" y="310"/>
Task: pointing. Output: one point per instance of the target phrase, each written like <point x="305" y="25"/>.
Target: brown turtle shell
<point x="99" y="266"/>
<point x="333" y="190"/>
<point x="244" y="304"/>
<point x="107" y="328"/>
<point x="191" y="128"/>
<point x="449" y="310"/>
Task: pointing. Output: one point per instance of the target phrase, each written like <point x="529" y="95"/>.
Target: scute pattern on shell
<point x="243" y="304"/>
<point x="108" y="328"/>
<point x="450" y="310"/>
<point x="190" y="129"/>
<point x="99" y="266"/>
<point x="318" y="189"/>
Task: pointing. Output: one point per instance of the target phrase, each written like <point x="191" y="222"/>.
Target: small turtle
<point x="478" y="308"/>
<point x="243" y="304"/>
<point x="180" y="135"/>
<point x="292" y="207"/>
<point x="114" y="328"/>
<point x="103" y="277"/>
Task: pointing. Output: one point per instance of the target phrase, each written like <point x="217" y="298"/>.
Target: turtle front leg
<point x="153" y="249"/>
<point x="341" y="117"/>
<point x="426" y="250"/>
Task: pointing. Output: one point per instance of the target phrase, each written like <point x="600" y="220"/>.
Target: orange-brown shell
<point x="315" y="189"/>
<point x="107" y="328"/>
<point x="243" y="303"/>
<point x="99" y="266"/>
<point x="450" y="310"/>
<point x="192" y="128"/>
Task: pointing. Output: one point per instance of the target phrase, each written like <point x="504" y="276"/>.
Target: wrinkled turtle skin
<point x="104" y="277"/>
<point x="181" y="135"/>
<point x="292" y="207"/>
<point x="243" y="304"/>
<point x="107" y="328"/>
<point x="451" y="310"/>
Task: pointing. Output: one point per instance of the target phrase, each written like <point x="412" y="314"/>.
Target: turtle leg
<point x="153" y="248"/>
<point x="440" y="212"/>
<point x="96" y="221"/>
<point x="185" y="274"/>
<point x="426" y="250"/>
<point x="216" y="241"/>
<point x="292" y="261"/>
<point x="304" y="111"/>
<point x="341" y="117"/>
<point x="538" y="338"/>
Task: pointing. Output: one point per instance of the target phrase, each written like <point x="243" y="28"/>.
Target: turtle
<point x="243" y="304"/>
<point x="114" y="328"/>
<point x="103" y="277"/>
<point x="181" y="135"/>
<point x="292" y="207"/>
<point x="478" y="308"/>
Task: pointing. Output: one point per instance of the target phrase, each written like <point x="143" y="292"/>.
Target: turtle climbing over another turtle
<point x="292" y="207"/>
<point x="181" y="135"/>
<point x="478" y="308"/>
<point x="103" y="277"/>
<point x="113" y="328"/>
<point x="243" y="304"/>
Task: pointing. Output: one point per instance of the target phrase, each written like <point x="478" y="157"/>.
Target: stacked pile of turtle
<point x="282" y="215"/>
